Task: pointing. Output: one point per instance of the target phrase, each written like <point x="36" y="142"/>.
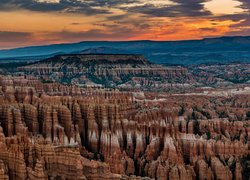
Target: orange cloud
<point x="185" y="29"/>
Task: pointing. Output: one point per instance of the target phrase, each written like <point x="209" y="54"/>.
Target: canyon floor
<point x="122" y="117"/>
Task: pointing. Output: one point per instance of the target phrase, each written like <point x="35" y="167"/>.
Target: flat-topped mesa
<point x="108" y="70"/>
<point x="98" y="58"/>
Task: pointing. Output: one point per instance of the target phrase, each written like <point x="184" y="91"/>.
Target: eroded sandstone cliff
<point x="123" y="71"/>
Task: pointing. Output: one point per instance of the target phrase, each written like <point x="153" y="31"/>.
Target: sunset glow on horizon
<point x="39" y="22"/>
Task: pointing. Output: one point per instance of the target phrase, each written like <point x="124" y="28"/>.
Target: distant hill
<point x="102" y="50"/>
<point x="209" y="50"/>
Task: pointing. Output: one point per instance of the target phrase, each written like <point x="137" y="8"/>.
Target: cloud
<point x="122" y="20"/>
<point x="245" y="5"/>
<point x="241" y="27"/>
<point x="156" y="8"/>
<point x="68" y="6"/>
<point x="93" y="34"/>
<point x="75" y="23"/>
<point x="208" y="29"/>
<point x="92" y="7"/>
<point x="179" y="8"/>
<point x="8" y="36"/>
<point x="111" y="3"/>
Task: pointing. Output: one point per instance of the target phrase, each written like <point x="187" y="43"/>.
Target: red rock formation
<point x="56" y="131"/>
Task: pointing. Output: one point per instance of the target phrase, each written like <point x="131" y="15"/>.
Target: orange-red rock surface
<point x="66" y="132"/>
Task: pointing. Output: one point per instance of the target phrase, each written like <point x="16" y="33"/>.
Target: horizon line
<point x="113" y="41"/>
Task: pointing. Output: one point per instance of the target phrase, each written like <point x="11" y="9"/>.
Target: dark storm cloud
<point x="88" y="7"/>
<point x="111" y="3"/>
<point x="245" y="5"/>
<point x="7" y="36"/>
<point x="118" y="17"/>
<point x="91" y="7"/>
<point x="190" y="8"/>
<point x="70" y="6"/>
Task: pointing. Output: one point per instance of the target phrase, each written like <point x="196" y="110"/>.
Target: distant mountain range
<point x="209" y="50"/>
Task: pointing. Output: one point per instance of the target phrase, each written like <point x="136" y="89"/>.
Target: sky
<point x="40" y="22"/>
